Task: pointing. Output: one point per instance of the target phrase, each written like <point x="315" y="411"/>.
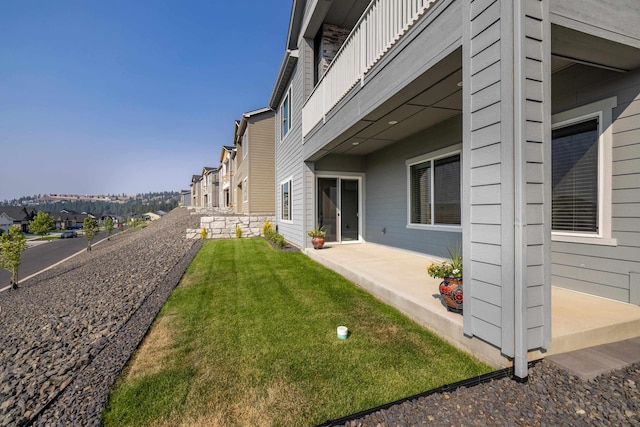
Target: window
<point x="285" y="116"/>
<point x="581" y="163"/>
<point x="434" y="190"/>
<point x="245" y="190"/>
<point x="245" y="144"/>
<point x="285" y="200"/>
<point x="574" y="203"/>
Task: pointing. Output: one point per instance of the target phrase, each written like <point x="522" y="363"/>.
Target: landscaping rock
<point x="67" y="333"/>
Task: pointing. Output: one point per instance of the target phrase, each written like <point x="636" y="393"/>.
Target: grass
<point x="249" y="338"/>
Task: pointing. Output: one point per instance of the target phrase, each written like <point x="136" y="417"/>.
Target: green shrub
<point x="274" y="237"/>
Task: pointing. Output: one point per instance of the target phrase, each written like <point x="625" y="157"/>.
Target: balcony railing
<point x="379" y="28"/>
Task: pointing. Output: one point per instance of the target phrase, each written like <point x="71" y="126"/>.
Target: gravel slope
<point x="67" y="333"/>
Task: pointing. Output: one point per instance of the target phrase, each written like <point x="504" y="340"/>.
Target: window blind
<point x="575" y="178"/>
<point x="421" y="193"/>
<point x="447" y="190"/>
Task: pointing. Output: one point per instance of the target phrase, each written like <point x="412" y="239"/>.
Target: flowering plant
<point x="451" y="268"/>
<point x="318" y="232"/>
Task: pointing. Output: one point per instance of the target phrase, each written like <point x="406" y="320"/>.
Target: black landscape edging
<point x="495" y="375"/>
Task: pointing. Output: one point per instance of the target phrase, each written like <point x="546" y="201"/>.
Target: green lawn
<point x="249" y="338"/>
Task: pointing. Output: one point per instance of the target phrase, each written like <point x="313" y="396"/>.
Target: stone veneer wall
<point x="224" y="226"/>
<point x="333" y="38"/>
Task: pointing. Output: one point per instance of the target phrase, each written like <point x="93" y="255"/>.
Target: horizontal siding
<point x="483" y="170"/>
<point x="598" y="269"/>
<point x="386" y="190"/>
<point x="289" y="163"/>
<point x="261" y="160"/>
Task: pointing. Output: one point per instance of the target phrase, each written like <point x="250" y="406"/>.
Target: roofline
<point x="241" y="125"/>
<point x="288" y="62"/>
<point x="295" y="23"/>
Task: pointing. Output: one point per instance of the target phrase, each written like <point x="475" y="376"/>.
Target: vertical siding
<point x="261" y="164"/>
<point x="606" y="271"/>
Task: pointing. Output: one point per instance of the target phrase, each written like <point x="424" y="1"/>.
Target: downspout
<point x="520" y="371"/>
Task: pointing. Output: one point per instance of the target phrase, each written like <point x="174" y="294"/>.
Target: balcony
<point x="379" y="28"/>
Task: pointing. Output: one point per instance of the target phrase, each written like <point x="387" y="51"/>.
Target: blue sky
<point x="128" y="96"/>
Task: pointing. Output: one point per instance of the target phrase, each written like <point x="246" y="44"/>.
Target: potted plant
<point x="450" y="271"/>
<point x="317" y="237"/>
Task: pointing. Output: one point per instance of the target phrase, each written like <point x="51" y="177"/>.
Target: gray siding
<point x="506" y="84"/>
<point x="434" y="37"/>
<point x="386" y="192"/>
<point x="289" y="163"/>
<point x="607" y="271"/>
<point x="612" y="19"/>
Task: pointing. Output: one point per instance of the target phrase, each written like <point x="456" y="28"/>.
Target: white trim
<point x="358" y="176"/>
<point x="245" y="143"/>
<point x="286" y="97"/>
<point x="288" y="181"/>
<point x="430" y="157"/>
<point x="602" y="110"/>
<point x="245" y="189"/>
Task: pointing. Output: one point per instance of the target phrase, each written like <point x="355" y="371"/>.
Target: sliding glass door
<point x="339" y="208"/>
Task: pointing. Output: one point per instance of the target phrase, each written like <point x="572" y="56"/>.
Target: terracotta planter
<point x="317" y="242"/>
<point x="452" y="294"/>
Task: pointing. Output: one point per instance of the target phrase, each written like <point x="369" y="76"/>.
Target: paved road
<point x="43" y="255"/>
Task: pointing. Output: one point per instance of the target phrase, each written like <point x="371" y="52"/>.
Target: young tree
<point x="42" y="224"/>
<point x="11" y="246"/>
<point x="90" y="228"/>
<point x="108" y="226"/>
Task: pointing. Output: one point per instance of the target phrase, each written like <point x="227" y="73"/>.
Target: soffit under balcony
<point x="431" y="99"/>
<point x="578" y="47"/>
<point x="344" y="14"/>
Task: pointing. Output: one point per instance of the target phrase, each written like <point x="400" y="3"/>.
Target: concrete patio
<point x="399" y="278"/>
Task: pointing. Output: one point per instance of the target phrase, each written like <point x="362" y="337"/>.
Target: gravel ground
<point x="551" y="397"/>
<point x="67" y="333"/>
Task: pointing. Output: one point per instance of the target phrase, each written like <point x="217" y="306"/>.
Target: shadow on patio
<point x="399" y="278"/>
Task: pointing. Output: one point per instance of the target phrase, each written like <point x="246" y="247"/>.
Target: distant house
<point x="68" y="219"/>
<point x="227" y="170"/>
<point x="196" y="182"/>
<point x="209" y="187"/>
<point x="5" y="221"/>
<point x="19" y="216"/>
<point x="254" y="182"/>
<point x="185" y="197"/>
<point x="151" y="216"/>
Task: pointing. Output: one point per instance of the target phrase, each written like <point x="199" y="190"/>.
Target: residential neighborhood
<point x="508" y="129"/>
<point x="392" y="212"/>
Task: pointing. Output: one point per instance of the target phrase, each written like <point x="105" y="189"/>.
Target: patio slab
<point x="399" y="278"/>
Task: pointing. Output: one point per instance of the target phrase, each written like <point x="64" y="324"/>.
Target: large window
<point x="434" y="190"/>
<point x="581" y="161"/>
<point x="285" y="200"/>
<point x="285" y="115"/>
<point x="574" y="163"/>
